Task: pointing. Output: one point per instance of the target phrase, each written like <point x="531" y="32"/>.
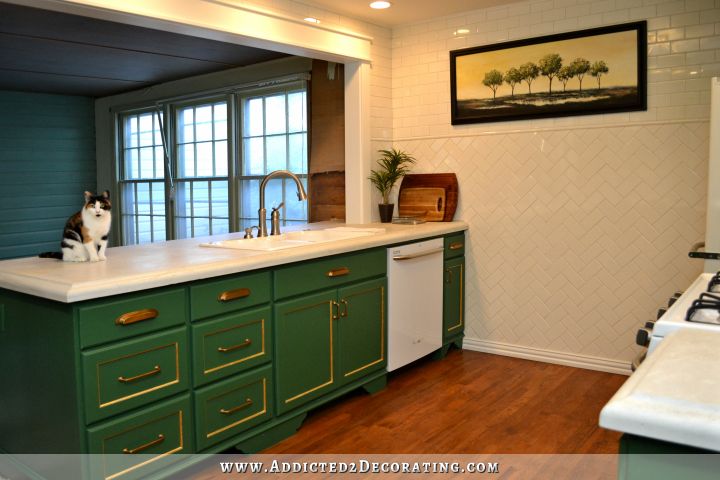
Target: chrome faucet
<point x="262" y="213"/>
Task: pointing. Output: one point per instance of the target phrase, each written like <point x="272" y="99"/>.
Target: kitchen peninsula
<point x="176" y="348"/>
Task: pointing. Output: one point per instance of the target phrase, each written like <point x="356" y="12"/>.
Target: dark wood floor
<point x="469" y="402"/>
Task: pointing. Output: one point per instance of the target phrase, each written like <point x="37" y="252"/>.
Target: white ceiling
<point x="403" y="11"/>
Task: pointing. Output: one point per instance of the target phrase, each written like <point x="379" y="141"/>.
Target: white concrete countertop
<point x="139" y="267"/>
<point x="674" y="395"/>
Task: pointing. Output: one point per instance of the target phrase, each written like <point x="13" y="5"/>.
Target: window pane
<point x="294" y="208"/>
<point x="221" y="159"/>
<point x="253" y="156"/>
<point x="147" y="162"/>
<point x="201" y="227"/>
<point x="183" y="199"/>
<point x="159" y="162"/>
<point x="276" y="153"/>
<point x="186" y="160"/>
<point x="253" y="118"/>
<point x="250" y="200"/>
<point x="186" y="121"/>
<point x="146" y="130"/>
<point x="275" y="120"/>
<point x="220" y="200"/>
<point x="220" y="124"/>
<point x="201" y="199"/>
<point x="131" y="131"/>
<point x="143" y="199"/>
<point x="158" y="199"/>
<point x="204" y="159"/>
<point x="296" y="112"/>
<point x="128" y="199"/>
<point x="131" y="164"/>
<point x="158" y="223"/>
<point x="203" y="123"/>
<point x="144" y="227"/>
<point x="297" y="161"/>
<point x="220" y="226"/>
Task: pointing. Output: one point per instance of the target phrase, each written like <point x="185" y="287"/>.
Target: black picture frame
<point x="625" y="43"/>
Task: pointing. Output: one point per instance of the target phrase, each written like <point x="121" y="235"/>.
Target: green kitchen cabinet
<point x="643" y="458"/>
<point x="328" y="339"/>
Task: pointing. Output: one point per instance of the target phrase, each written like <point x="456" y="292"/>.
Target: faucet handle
<point x="248" y="231"/>
<point x="275" y="209"/>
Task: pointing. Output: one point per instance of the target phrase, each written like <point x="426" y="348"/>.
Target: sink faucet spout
<point x="262" y="212"/>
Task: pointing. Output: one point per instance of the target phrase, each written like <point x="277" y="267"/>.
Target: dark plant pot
<point x="386" y="211"/>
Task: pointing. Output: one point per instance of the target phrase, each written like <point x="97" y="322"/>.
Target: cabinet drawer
<point x="136" y="444"/>
<point x="129" y="315"/>
<point x="131" y="374"/>
<point x="232" y="406"/>
<point x="454" y="245"/>
<point x="329" y="272"/>
<point x="231" y="344"/>
<point x="229" y="294"/>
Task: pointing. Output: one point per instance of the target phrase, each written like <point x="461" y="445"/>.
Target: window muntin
<point x="202" y="193"/>
<point x="215" y="175"/>
<point x="274" y="137"/>
<point x="142" y="184"/>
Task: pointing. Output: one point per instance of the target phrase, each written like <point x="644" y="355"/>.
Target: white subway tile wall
<point x="579" y="226"/>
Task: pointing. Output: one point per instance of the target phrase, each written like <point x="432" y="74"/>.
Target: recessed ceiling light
<point x="311" y="20"/>
<point x="380" y="5"/>
<point x="461" y="31"/>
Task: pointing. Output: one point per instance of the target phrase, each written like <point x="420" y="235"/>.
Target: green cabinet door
<point x="453" y="295"/>
<point x="305" y="345"/>
<point x="361" y="329"/>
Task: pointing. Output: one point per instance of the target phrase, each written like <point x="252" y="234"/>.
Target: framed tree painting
<point x="600" y="70"/>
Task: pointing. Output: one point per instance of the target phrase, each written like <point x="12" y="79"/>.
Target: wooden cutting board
<point x="430" y="196"/>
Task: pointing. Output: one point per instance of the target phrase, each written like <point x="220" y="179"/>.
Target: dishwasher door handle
<point x="425" y="253"/>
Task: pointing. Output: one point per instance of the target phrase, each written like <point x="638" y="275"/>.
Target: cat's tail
<point x="57" y="255"/>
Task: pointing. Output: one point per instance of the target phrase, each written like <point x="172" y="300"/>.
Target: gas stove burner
<point x="714" y="283"/>
<point x="706" y="309"/>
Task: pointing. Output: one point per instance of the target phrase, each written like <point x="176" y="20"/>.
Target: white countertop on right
<point x="674" y="395"/>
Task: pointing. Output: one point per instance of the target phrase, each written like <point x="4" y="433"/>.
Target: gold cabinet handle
<point x="344" y="313"/>
<point x="160" y="438"/>
<point x="229" y="411"/>
<point x="231" y="295"/>
<point x="152" y="372"/>
<point x="335" y="306"/>
<point x="244" y="344"/>
<point x="137" y="316"/>
<point x="338" y="272"/>
<point x="456" y="245"/>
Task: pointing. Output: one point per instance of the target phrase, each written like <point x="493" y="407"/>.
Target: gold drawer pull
<point x="244" y="344"/>
<point x="137" y="316"/>
<point x="456" y="245"/>
<point x="158" y="440"/>
<point x="228" y="411"/>
<point x="152" y="372"/>
<point x="233" y="294"/>
<point x="338" y="272"/>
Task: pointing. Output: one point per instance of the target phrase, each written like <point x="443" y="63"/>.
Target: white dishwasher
<point x="415" y="296"/>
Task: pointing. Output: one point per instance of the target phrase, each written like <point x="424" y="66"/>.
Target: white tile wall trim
<point x="548" y="356"/>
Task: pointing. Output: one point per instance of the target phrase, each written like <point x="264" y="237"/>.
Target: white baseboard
<point x="548" y="356"/>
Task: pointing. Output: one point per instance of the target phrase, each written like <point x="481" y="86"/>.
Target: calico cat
<point x="86" y="232"/>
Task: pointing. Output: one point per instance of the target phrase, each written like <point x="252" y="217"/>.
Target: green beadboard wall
<point x="47" y="161"/>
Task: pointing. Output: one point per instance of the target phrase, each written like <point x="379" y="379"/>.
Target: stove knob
<point x="649" y="325"/>
<point x="672" y="300"/>
<point x="661" y="312"/>
<point x="642" y="337"/>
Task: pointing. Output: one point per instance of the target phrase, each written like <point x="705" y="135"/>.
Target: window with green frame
<point x="199" y="173"/>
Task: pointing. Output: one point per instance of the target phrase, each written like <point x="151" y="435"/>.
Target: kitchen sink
<point x="295" y="239"/>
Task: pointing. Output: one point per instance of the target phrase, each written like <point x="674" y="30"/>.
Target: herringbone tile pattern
<point x="576" y="236"/>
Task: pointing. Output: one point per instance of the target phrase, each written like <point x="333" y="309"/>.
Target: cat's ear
<point x="88" y="196"/>
<point x="106" y="194"/>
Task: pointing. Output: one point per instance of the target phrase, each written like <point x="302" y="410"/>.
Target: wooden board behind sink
<point x="430" y="196"/>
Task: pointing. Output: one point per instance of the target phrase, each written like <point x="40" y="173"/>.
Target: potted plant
<point x="394" y="164"/>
